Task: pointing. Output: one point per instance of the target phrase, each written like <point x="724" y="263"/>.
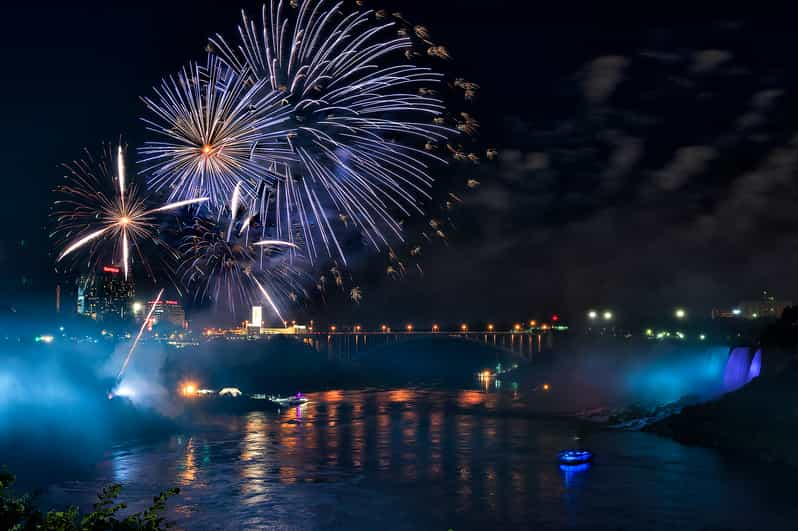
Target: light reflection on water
<point x="419" y="459"/>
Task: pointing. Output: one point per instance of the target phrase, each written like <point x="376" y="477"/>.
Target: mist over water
<point x="54" y="404"/>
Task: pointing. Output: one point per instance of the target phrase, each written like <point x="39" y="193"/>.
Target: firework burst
<point x="323" y="119"/>
<point x="103" y="217"/>
<point x="217" y="131"/>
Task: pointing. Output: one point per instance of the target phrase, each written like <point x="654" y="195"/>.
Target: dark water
<point x="430" y="459"/>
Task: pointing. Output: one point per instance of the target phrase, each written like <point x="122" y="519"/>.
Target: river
<point x="427" y="458"/>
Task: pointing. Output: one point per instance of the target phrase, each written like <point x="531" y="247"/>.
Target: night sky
<point x="647" y="159"/>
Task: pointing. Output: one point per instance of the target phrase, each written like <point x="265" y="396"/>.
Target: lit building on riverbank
<point x="768" y="307"/>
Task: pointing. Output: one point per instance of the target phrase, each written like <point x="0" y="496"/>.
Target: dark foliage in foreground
<point x="18" y="513"/>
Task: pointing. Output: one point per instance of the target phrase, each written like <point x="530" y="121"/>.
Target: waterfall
<point x="742" y="366"/>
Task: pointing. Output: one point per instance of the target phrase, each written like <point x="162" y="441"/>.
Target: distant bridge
<point x="521" y="343"/>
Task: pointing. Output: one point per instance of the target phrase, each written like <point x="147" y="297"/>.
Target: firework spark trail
<point x="269" y="299"/>
<point x="120" y="169"/>
<point x="234" y="203"/>
<point x="275" y="243"/>
<point x="138" y="337"/>
<point x="83" y="241"/>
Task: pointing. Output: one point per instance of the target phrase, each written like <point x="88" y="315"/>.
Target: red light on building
<point x="555" y="317"/>
<point x="174" y="303"/>
<point x="109" y="269"/>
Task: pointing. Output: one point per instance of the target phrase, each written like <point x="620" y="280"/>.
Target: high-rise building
<point x="105" y="295"/>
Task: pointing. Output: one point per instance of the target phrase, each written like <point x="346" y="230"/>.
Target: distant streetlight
<point x="490" y="328"/>
<point x="737" y="311"/>
<point x="680" y="313"/>
<point x="608" y="316"/>
<point x="592" y="315"/>
<point x="464" y="327"/>
<point x="517" y="327"/>
<point x="358" y="328"/>
<point x="702" y="337"/>
<point x="436" y="328"/>
<point x="409" y="328"/>
<point x="333" y="328"/>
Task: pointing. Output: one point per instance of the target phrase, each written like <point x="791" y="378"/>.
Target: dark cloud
<point x="602" y="77"/>
<point x="765" y="98"/>
<point x="687" y="162"/>
<point x="708" y="60"/>
<point x="627" y="153"/>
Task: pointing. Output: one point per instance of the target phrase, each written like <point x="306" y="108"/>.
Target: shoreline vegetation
<point x="18" y="512"/>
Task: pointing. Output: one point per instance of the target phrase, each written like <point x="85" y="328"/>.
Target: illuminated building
<point x="768" y="307"/>
<point x="765" y="308"/>
<point x="257" y="316"/>
<point x="105" y="295"/>
<point x="166" y="312"/>
<point x="254" y="327"/>
<point x="290" y="330"/>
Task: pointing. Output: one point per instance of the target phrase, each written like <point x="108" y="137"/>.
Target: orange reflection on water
<point x="435" y="445"/>
<point x="383" y="441"/>
<point x="188" y="469"/>
<point x="254" y="443"/>
<point x="288" y="474"/>
<point x="470" y="398"/>
<point x="254" y="486"/>
<point x="332" y="397"/>
<point x="333" y="434"/>
<point x="401" y="395"/>
<point x="490" y="486"/>
<point x="358" y="442"/>
<point x="409" y="420"/>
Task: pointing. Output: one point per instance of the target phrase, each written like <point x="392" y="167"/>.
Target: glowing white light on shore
<point x="680" y="313"/>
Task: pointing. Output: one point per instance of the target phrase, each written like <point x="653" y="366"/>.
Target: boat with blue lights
<point x="575" y="457"/>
